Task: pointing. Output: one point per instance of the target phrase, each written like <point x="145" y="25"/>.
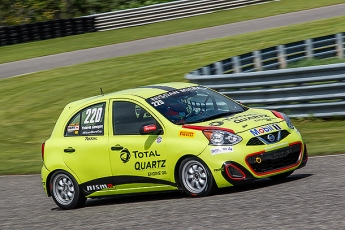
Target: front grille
<point x="273" y="160"/>
<point x="263" y="139"/>
<point x="283" y="134"/>
<point x="234" y="172"/>
<point x="255" y="141"/>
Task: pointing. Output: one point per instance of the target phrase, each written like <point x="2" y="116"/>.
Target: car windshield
<point x="193" y="104"/>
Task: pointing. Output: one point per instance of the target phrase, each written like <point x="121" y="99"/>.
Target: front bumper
<point x="265" y="164"/>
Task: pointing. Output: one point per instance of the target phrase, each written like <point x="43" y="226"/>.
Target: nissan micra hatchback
<point x="175" y="136"/>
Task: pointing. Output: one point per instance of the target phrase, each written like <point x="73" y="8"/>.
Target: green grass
<point x="322" y="136"/>
<point x="314" y="62"/>
<point x="32" y="103"/>
<point x="77" y="42"/>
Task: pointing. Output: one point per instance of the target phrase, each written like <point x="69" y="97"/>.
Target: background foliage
<point x="16" y="12"/>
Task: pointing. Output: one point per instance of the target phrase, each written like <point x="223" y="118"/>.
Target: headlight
<point x="284" y="117"/>
<point x="217" y="137"/>
<point x="287" y="120"/>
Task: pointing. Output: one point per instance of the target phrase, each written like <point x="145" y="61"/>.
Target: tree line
<point x="16" y="12"/>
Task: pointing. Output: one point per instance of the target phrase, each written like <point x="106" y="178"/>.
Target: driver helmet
<point x="174" y="110"/>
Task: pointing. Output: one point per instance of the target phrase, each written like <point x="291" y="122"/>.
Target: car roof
<point x="152" y="90"/>
<point x="145" y="92"/>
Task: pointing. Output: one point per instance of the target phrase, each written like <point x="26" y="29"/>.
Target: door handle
<point x="116" y="147"/>
<point x="69" y="150"/>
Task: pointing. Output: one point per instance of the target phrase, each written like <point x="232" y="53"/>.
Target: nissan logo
<point x="271" y="137"/>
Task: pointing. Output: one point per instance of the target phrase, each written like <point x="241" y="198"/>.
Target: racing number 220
<point x="157" y="103"/>
<point x="95" y="113"/>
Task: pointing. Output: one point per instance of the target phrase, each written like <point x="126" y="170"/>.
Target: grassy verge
<point x="314" y="62"/>
<point x="65" y="44"/>
<point x="321" y="135"/>
<point x="32" y="103"/>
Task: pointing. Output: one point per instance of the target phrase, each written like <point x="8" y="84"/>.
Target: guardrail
<point x="165" y="12"/>
<point x="317" y="91"/>
<point x="115" y="20"/>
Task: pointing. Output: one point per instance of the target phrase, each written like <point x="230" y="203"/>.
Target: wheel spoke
<point x="200" y="169"/>
<point x="190" y="171"/>
<point x="193" y="183"/>
<point x="70" y="195"/>
<point x="197" y="185"/>
<point x="202" y="182"/>
<point x="203" y="175"/>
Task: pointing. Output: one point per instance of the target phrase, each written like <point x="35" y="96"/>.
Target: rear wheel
<point x="281" y="176"/>
<point x="65" y="191"/>
<point x="195" y="177"/>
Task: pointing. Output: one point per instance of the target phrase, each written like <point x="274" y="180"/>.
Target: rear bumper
<point x="45" y="182"/>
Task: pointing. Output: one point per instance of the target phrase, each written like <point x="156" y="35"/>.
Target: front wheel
<point x="195" y="177"/>
<point x="65" y="191"/>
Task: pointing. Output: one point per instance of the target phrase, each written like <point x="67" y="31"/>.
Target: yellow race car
<point x="172" y="136"/>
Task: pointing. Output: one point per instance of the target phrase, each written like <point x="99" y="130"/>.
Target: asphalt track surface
<point x="149" y="44"/>
<point x="311" y="198"/>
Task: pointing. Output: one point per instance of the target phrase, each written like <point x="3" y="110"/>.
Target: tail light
<point x="42" y="150"/>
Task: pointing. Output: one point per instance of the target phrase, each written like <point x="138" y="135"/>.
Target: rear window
<point x="87" y="122"/>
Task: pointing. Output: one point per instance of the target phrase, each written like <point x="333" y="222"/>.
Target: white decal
<point x="157" y="103"/>
<point x="219" y="150"/>
<point x="72" y="128"/>
<point x="95" y="113"/>
<point x="159" y="139"/>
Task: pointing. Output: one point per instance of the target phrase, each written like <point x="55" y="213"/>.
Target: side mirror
<point x="149" y="129"/>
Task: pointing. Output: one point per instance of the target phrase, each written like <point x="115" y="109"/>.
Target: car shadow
<point x="147" y="197"/>
<point x="261" y="183"/>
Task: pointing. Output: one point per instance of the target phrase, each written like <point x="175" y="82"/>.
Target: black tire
<point x="65" y="191"/>
<point x="282" y="176"/>
<point x="195" y="178"/>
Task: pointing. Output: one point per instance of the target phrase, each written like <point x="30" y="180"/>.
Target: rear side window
<point x="87" y="122"/>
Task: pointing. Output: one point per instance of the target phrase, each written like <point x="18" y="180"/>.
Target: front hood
<point x="241" y="122"/>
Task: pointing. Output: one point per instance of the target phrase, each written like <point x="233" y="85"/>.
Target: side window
<point x="72" y="128"/>
<point x="129" y="117"/>
<point x="87" y="122"/>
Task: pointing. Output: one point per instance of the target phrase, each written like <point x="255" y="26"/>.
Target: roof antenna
<point x="102" y="92"/>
